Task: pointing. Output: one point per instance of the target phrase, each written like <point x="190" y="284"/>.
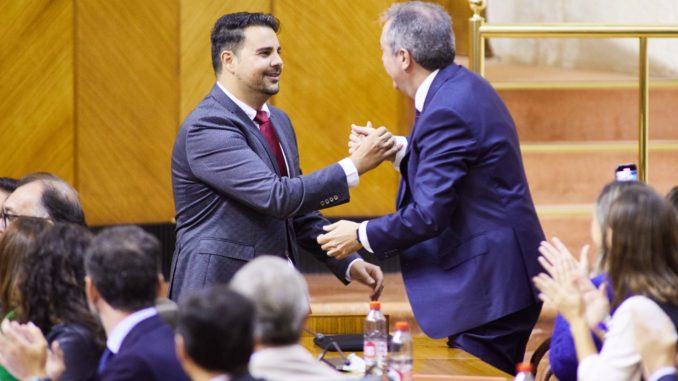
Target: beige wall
<point x="94" y="90"/>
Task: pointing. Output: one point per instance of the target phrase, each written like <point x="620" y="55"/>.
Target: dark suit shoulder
<point x="147" y="353"/>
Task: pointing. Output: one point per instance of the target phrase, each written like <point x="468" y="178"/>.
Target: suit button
<point x="336" y="197"/>
<point x="327" y="201"/>
<point x="322" y="203"/>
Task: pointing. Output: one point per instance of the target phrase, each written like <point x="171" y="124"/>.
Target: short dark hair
<point x="228" y="34"/>
<point x="8" y="184"/>
<point x="123" y="263"/>
<point x="59" y="199"/>
<point x="217" y="327"/>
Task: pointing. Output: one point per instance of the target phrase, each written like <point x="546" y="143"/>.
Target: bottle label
<point x="370" y="351"/>
<point x="382" y="350"/>
<point x="400" y="375"/>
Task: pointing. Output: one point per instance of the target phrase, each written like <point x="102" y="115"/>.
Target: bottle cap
<point x="524" y="367"/>
<point x="374" y="305"/>
<point x="402" y="326"/>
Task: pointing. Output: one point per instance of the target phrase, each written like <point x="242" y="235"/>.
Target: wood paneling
<point x="197" y="19"/>
<point x="127" y="96"/>
<point x="332" y="77"/>
<point x="36" y="111"/>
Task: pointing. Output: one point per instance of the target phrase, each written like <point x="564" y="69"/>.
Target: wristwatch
<point x="36" y="378"/>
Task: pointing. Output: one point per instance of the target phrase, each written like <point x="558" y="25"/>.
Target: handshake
<point x="370" y="146"/>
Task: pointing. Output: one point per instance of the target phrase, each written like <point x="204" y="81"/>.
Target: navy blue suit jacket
<point x="465" y="227"/>
<point x="147" y="353"/>
<point x="231" y="202"/>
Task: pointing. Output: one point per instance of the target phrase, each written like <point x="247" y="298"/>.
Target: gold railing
<point x="480" y="31"/>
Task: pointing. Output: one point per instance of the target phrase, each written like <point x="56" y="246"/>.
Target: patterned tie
<point x="269" y="134"/>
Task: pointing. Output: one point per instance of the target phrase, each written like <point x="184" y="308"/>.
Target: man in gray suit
<point x="238" y="190"/>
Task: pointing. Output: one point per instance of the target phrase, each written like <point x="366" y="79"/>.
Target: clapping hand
<point x="567" y="285"/>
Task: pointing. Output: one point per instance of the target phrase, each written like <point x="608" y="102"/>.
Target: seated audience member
<point x="641" y="241"/>
<point x="672" y="198"/>
<point x="17" y="241"/>
<point x="281" y="302"/>
<point x="52" y="294"/>
<point x="123" y="280"/>
<point x="214" y="335"/>
<point x="43" y="195"/>
<point x="7" y="186"/>
<point x="562" y="355"/>
<point x="15" y="244"/>
<point x="657" y="347"/>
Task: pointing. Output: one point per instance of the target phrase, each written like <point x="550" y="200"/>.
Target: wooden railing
<point x="480" y="30"/>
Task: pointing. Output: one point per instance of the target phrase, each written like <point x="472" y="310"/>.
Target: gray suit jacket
<point x="231" y="203"/>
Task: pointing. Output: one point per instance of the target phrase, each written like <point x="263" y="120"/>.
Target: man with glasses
<point x="42" y="195"/>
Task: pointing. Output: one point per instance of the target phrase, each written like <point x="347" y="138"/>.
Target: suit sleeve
<point x="219" y="154"/>
<point x="131" y="368"/>
<point x="81" y="354"/>
<point x="307" y="228"/>
<point x="445" y="147"/>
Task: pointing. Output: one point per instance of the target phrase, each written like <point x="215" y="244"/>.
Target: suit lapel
<point x="249" y="124"/>
<point x="443" y="75"/>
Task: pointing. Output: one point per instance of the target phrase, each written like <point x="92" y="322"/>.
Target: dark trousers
<point x="500" y="343"/>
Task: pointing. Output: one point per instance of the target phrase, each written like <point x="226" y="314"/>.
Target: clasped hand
<point x="369" y="147"/>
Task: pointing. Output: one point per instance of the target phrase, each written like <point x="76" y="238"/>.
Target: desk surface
<point x="434" y="357"/>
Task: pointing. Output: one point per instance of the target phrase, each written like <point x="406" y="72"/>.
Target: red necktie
<point x="269" y="134"/>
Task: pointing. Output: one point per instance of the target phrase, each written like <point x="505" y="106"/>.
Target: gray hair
<point x="280" y="298"/>
<point x="424" y="30"/>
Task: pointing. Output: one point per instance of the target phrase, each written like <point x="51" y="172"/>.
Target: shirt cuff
<point x="362" y="236"/>
<point x="661" y="372"/>
<point x="402" y="141"/>
<point x="352" y="177"/>
<point x="348" y="269"/>
<point x="586" y="366"/>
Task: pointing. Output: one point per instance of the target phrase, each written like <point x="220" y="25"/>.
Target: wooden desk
<point x="433" y="357"/>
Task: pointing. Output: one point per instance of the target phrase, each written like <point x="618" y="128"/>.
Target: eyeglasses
<point x="7" y="218"/>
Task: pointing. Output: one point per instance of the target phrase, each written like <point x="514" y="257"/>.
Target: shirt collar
<point x="123" y="328"/>
<point x="251" y="113"/>
<point x="221" y="377"/>
<point x="422" y="91"/>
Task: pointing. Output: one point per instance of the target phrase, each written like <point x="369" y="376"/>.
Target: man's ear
<point x="229" y="61"/>
<point x="91" y="291"/>
<point x="180" y="347"/>
<point x="162" y="288"/>
<point x="404" y="59"/>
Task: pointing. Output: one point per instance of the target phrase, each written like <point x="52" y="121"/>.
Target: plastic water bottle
<point x="375" y="347"/>
<point x="401" y="353"/>
<point x="524" y="372"/>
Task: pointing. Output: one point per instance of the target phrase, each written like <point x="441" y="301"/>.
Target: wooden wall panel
<point x="332" y="77"/>
<point x="36" y="73"/>
<point x="197" y="19"/>
<point x="127" y="94"/>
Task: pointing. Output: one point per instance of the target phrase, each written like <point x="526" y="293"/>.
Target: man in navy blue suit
<point x="123" y="280"/>
<point x="465" y="228"/>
